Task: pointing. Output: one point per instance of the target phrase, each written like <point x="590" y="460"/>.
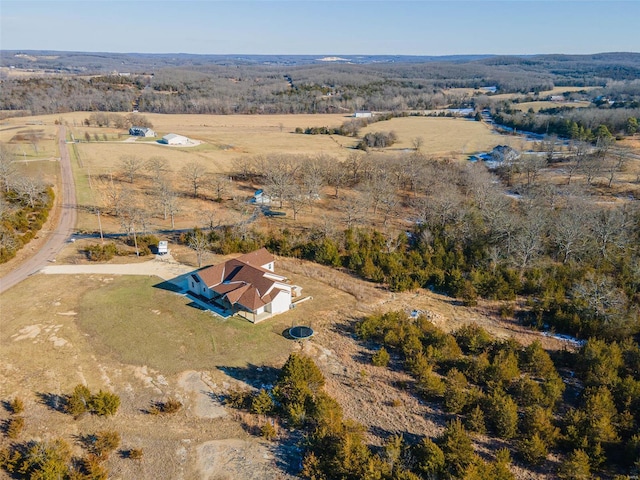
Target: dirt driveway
<point x="164" y="267"/>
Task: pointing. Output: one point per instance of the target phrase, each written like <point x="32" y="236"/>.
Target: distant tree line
<point x="253" y="89"/>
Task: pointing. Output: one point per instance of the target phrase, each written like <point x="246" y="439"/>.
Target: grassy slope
<point x="138" y="324"/>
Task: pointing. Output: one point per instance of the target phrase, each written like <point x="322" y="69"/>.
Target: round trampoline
<point x="300" y="332"/>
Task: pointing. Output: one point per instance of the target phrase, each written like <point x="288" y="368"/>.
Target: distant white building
<point x="141" y="132"/>
<point x="363" y="114"/>
<point x="261" y="198"/>
<point x="174" y="139"/>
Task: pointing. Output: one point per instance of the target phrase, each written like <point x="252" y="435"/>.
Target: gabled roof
<point x="257" y="258"/>
<point x="242" y="280"/>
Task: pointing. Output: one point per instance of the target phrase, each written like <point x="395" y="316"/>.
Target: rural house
<point x="141" y="132"/>
<point x="174" y="139"/>
<point x="246" y="286"/>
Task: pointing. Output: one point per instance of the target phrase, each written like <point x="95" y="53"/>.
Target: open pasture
<point x="453" y="137"/>
<point x="543" y="104"/>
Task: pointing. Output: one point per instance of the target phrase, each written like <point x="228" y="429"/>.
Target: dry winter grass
<point x="536" y="106"/>
<point x="442" y="137"/>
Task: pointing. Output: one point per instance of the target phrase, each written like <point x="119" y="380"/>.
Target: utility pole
<point x="135" y="239"/>
<point x="100" y="226"/>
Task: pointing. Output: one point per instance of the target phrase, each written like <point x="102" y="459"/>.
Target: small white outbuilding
<point x="174" y="139"/>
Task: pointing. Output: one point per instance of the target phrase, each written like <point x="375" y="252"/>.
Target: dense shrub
<point x="102" y="253"/>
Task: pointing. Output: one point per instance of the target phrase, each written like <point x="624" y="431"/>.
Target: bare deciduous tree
<point x="30" y="189"/>
<point x="115" y="198"/>
<point x="220" y="185"/>
<point x="279" y="174"/>
<point x="335" y="175"/>
<point x="194" y="175"/>
<point x="158" y="168"/>
<point x="7" y="167"/>
<point x="199" y="242"/>
<point x="530" y="166"/>
<point x="131" y="165"/>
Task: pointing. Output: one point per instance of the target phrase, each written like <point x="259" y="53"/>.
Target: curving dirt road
<point x="61" y="233"/>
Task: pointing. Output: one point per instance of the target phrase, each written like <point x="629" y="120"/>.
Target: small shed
<point x="163" y="247"/>
<point x="174" y="139"/>
<point x="363" y="114"/>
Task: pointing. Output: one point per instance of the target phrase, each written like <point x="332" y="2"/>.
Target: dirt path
<point x="164" y="267"/>
<point x="63" y="230"/>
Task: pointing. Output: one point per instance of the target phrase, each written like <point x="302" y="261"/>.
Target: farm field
<point x="537" y="106"/>
<point x="225" y="140"/>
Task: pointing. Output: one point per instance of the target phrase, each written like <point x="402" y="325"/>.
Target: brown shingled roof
<point x="242" y="280"/>
<point x="257" y="259"/>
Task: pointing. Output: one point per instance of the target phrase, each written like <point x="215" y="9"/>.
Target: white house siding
<point x="281" y="303"/>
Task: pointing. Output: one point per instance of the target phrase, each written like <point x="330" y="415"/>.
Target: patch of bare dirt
<point x="232" y="459"/>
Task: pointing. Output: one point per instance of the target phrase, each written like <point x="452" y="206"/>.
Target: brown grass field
<point x="536" y="106"/>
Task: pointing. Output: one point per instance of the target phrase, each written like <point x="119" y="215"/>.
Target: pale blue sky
<point x="385" y="27"/>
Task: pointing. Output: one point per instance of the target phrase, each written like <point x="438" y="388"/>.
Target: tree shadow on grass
<point x="53" y="401"/>
<point x="6" y="404"/>
<point x="253" y="375"/>
<point x="409" y="438"/>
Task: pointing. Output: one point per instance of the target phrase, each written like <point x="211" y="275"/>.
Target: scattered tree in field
<point x="194" y="175"/>
<point x="135" y="453"/>
<point x="78" y="402"/>
<point x="219" y="185"/>
<point x="16" y="405"/>
<point x="170" y="406"/>
<point x="14" y="426"/>
<point x="131" y="166"/>
<point x="158" y="168"/>
<point x="104" y="403"/>
<point x="82" y="400"/>
<point x="104" y="443"/>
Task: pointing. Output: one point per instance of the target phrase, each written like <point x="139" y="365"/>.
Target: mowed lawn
<point x="139" y="324"/>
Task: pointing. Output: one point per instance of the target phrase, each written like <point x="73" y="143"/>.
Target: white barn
<point x="174" y="139"/>
<point x="363" y="114"/>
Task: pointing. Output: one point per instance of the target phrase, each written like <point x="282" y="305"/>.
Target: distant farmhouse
<point x="504" y="154"/>
<point x="141" y="132"/>
<point x="174" y="139"/>
<point x="245" y="286"/>
<point x="363" y="114"/>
